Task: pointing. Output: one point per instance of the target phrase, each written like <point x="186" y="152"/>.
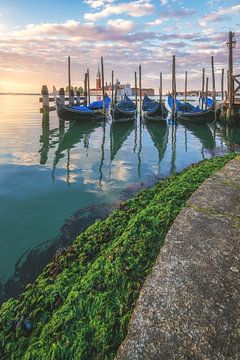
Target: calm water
<point x="56" y="178"/>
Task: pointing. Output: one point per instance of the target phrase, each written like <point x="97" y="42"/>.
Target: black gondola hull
<point x="69" y="113"/>
<point x="159" y="114"/>
<point x="203" y="117"/>
<point x="120" y="115"/>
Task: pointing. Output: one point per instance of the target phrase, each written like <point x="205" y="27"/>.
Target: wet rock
<point x="189" y="305"/>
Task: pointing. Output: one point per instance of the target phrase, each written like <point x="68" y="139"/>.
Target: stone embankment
<point x="189" y="305"/>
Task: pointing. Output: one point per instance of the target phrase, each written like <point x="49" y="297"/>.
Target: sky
<point x="36" y="38"/>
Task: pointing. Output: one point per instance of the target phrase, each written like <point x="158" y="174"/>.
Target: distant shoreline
<point x="11" y="93"/>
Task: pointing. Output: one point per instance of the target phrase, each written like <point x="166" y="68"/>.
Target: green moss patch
<point x="80" y="306"/>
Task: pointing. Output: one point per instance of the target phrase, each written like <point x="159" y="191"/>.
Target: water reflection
<point x="74" y="135"/>
<point x="159" y="135"/>
<point x="99" y="160"/>
<point x="203" y="133"/>
<point x="119" y="133"/>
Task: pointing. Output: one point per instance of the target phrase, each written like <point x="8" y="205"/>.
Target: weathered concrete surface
<point x="189" y="306"/>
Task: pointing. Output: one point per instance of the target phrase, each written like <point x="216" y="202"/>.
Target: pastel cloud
<point x="133" y="8"/>
<point x="50" y="43"/>
<point x="220" y="15"/>
<point x="177" y="13"/>
<point x="120" y="24"/>
<point x="164" y="2"/>
<point x="155" y="22"/>
<point x="98" y="3"/>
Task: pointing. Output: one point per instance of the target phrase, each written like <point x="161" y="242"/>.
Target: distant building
<point x="121" y="88"/>
<point x="98" y="80"/>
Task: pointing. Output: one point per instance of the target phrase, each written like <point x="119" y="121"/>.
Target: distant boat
<point x="81" y="113"/>
<point x="153" y="110"/>
<point x="188" y="112"/>
<point x="125" y="110"/>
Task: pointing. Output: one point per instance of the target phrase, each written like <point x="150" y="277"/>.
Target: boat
<point x="188" y="112"/>
<point x="153" y="110"/>
<point x="118" y="135"/>
<point x="77" y="112"/>
<point x="125" y="110"/>
<point x="94" y="111"/>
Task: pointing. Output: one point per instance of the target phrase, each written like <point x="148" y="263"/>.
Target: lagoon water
<point x="56" y="177"/>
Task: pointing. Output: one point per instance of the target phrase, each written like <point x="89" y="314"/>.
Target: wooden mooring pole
<point x="78" y="97"/>
<point x="160" y="88"/>
<point x="103" y="88"/>
<point x="206" y="93"/>
<point x="112" y="85"/>
<point x="185" y="87"/>
<point x="88" y="86"/>
<point x="62" y="95"/>
<point x="140" y="90"/>
<point x="213" y="79"/>
<point x="71" y="97"/>
<point x="45" y="98"/>
<point x="69" y="77"/>
<point x="222" y="85"/>
<point x="173" y="87"/>
<point x="85" y="90"/>
<point x="230" y="71"/>
<point x="203" y="87"/>
<point x="136" y="95"/>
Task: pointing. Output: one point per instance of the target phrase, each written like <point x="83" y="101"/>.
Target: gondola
<point x="77" y="112"/>
<point x="125" y="110"/>
<point x="187" y="112"/>
<point x="153" y="110"/>
<point x="81" y="113"/>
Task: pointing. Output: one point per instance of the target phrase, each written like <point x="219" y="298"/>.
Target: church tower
<point x="98" y="80"/>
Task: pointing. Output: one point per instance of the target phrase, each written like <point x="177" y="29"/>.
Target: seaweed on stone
<point x="80" y="306"/>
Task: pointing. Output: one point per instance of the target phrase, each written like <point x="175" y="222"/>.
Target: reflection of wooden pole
<point x="185" y="89"/>
<point x="206" y="94"/>
<point x="136" y="96"/>
<point x="112" y="84"/>
<point x="140" y="89"/>
<point x="203" y="86"/>
<point x="222" y="85"/>
<point x="69" y="77"/>
<point x="160" y="88"/>
<point x="88" y="86"/>
<point x="213" y="78"/>
<point x="103" y="89"/>
<point x="102" y="153"/>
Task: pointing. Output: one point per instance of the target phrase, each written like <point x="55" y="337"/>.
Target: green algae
<point x="80" y="306"/>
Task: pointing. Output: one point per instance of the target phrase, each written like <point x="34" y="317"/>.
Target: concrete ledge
<point x="189" y="306"/>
